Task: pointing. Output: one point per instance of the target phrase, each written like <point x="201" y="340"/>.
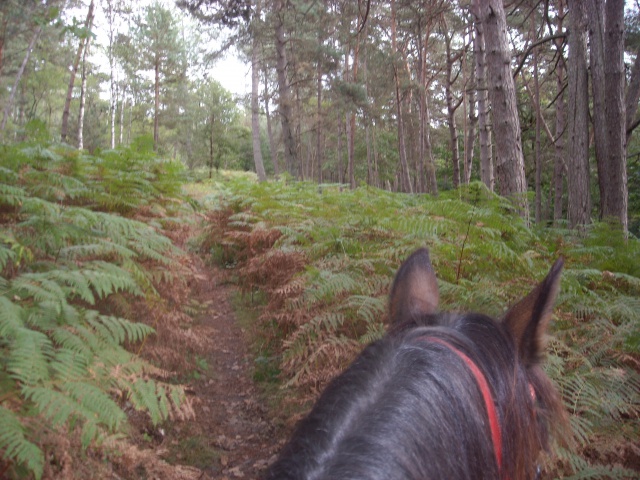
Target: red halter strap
<point x="494" y="424"/>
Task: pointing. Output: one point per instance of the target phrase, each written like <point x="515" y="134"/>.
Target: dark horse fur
<point x="410" y="408"/>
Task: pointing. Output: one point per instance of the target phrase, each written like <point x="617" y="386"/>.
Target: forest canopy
<point x="402" y="95"/>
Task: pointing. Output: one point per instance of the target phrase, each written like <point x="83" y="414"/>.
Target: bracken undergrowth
<point x="324" y="256"/>
<point x="85" y="269"/>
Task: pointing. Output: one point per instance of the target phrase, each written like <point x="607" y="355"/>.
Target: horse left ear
<point x="528" y="319"/>
<point x="414" y="292"/>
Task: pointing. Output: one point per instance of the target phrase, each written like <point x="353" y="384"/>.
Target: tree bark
<point x="273" y="147"/>
<point x="123" y="102"/>
<point x="451" y="109"/>
<point x="472" y="121"/>
<point x="339" y="152"/>
<point x="484" y="128"/>
<point x="112" y="77"/>
<point x="284" y="92"/>
<point x="405" y="182"/>
<point x="255" y="105"/>
<point x="632" y="96"/>
<point x="537" y="147"/>
<point x="9" y="105"/>
<point x="426" y="148"/>
<point x="504" y="112"/>
<point x="156" y="107"/>
<point x="352" y="119"/>
<point x="211" y="144"/>
<point x="559" y="165"/>
<point x="74" y="70"/>
<point x="83" y="94"/>
<point x="617" y="199"/>
<point x="3" y="39"/>
<point x="579" y="208"/>
<point x="319" y="153"/>
<point x="595" y="16"/>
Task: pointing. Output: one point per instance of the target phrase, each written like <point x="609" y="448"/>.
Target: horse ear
<point x="414" y="292"/>
<point x="528" y="319"/>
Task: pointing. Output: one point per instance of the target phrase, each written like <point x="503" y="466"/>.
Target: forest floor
<point x="233" y="434"/>
<point x="231" y="420"/>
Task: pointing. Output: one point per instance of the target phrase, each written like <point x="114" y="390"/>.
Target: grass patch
<point x="195" y="451"/>
<point x="266" y="363"/>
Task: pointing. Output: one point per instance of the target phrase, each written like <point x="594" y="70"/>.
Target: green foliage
<point x="68" y="262"/>
<point x="485" y="258"/>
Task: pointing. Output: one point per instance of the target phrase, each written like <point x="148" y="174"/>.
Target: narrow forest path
<point x="230" y="413"/>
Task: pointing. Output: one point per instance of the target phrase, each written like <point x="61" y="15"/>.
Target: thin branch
<point x="526" y="53"/>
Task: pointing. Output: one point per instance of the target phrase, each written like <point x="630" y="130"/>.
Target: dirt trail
<point x="230" y="412"/>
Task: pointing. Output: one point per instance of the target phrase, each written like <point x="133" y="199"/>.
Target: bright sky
<point x="233" y="74"/>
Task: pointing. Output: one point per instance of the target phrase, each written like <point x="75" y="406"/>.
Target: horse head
<point x="441" y="395"/>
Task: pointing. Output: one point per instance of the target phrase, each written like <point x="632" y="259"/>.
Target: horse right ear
<point x="414" y="292"/>
<point x="529" y="318"/>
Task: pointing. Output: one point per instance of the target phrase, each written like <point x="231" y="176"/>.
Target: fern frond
<point x="29" y="354"/>
<point x="101" y="248"/>
<point x="70" y="365"/>
<point x="10" y="318"/>
<point x="371" y="309"/>
<point x="101" y="408"/>
<point x="117" y="330"/>
<point x="15" y="446"/>
<point x="6" y="255"/>
<point x="144" y="396"/>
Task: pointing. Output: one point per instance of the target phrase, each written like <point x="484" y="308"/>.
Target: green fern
<point x="485" y="258"/>
<point x="64" y="361"/>
<point x="14" y="443"/>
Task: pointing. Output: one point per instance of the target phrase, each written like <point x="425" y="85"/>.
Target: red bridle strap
<point x="494" y="424"/>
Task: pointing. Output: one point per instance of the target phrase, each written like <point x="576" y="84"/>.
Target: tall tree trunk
<point x="504" y="112"/>
<point x="352" y="130"/>
<point x="472" y="121"/>
<point x="595" y="17"/>
<point x="339" y="152"/>
<point x="426" y="150"/>
<point x="617" y="197"/>
<point x="537" y="148"/>
<point x="211" y="143"/>
<point x="376" y="174"/>
<point x="319" y="123"/>
<point x="3" y="39"/>
<point x="123" y="101"/>
<point x="156" y="105"/>
<point x="284" y="92"/>
<point x="255" y="105"/>
<point x="83" y="94"/>
<point x="74" y="70"/>
<point x="112" y="74"/>
<point x="273" y="147"/>
<point x="579" y="208"/>
<point x="9" y="105"/>
<point x="484" y="128"/>
<point x="405" y="180"/>
<point x="451" y="108"/>
<point x="559" y="165"/>
<point x="130" y="121"/>
<point x="632" y="97"/>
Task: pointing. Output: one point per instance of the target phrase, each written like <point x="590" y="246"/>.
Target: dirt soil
<point x="233" y="435"/>
<point x="230" y="411"/>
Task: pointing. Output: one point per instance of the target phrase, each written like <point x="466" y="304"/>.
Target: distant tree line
<point x="408" y="95"/>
